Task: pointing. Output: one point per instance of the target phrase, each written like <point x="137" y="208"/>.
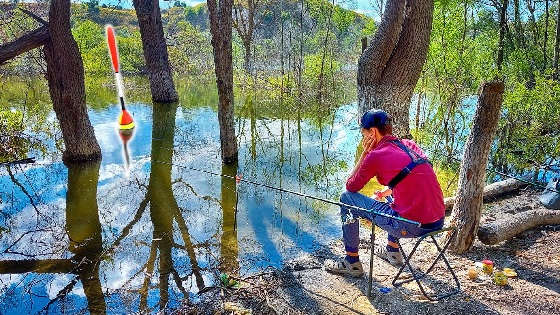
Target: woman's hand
<point x="368" y="143"/>
<point x="379" y="195"/>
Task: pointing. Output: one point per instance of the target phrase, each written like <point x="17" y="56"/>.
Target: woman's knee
<point x="346" y="197"/>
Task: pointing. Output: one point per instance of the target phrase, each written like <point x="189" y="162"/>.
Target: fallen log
<point x="510" y="226"/>
<point x="491" y="191"/>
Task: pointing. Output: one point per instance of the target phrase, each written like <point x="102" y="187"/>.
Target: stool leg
<point x="370" y="279"/>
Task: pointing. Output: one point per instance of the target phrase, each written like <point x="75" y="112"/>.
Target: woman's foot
<point x="394" y="258"/>
<point x="343" y="267"/>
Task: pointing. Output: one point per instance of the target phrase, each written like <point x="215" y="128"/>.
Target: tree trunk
<point x="389" y="68"/>
<point x="510" y="226"/>
<point x="244" y="23"/>
<point x="531" y="8"/>
<point x="503" y="26"/>
<point x="557" y="41"/>
<point x="65" y="75"/>
<point x="155" y="51"/>
<point x="220" y="28"/>
<point x="247" y="56"/>
<point x="545" y="40"/>
<point x="491" y="191"/>
<point x="466" y="212"/>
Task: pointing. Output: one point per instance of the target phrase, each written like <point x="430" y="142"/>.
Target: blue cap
<point x="374" y="118"/>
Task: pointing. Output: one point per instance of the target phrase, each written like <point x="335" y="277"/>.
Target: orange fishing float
<point x="125" y="119"/>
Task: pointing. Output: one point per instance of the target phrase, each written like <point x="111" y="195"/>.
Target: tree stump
<point x="468" y="204"/>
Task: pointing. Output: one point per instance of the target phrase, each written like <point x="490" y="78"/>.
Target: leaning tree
<point x="390" y="67"/>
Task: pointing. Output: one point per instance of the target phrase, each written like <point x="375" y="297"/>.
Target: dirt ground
<point x="303" y="287"/>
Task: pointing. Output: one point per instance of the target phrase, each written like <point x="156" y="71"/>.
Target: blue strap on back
<point x="415" y="161"/>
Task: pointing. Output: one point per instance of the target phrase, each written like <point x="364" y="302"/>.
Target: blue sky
<point x="361" y="6"/>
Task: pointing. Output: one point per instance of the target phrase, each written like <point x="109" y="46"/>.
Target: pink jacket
<point x="418" y="196"/>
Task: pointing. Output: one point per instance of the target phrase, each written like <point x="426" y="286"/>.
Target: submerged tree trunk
<point x="65" y="74"/>
<point x="221" y="29"/>
<point x="155" y="51"/>
<point x="468" y="204"/>
<point x="389" y="68"/>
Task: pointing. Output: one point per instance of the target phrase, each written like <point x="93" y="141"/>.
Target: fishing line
<point x="238" y="179"/>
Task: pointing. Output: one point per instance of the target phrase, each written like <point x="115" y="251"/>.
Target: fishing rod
<point x="126" y="123"/>
<point x="238" y="179"/>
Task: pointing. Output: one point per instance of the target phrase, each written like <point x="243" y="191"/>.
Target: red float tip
<point x="112" y="43"/>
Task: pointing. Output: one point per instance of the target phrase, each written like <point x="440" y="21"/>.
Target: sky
<point x="361" y="6"/>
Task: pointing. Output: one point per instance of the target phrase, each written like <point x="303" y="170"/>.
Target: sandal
<point x="394" y="258"/>
<point x="343" y="267"/>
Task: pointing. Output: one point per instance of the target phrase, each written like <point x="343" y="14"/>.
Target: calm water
<point x="96" y="237"/>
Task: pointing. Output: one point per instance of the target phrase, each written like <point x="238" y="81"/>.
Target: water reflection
<point x="228" y="244"/>
<point x="148" y="241"/>
<point x="164" y="208"/>
<point x="84" y="231"/>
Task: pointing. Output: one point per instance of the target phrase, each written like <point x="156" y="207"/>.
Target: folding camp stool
<point x="418" y="275"/>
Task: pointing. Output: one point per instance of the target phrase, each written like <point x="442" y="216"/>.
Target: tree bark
<point x="491" y="191"/>
<point x="31" y="40"/>
<point x="65" y="75"/>
<point x="221" y="29"/>
<point x="389" y="68"/>
<point x="467" y="209"/>
<point x="510" y="226"/>
<point x="155" y="51"/>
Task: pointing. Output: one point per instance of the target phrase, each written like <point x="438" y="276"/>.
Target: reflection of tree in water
<point x="229" y="247"/>
<point x="164" y="209"/>
<point x="84" y="232"/>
